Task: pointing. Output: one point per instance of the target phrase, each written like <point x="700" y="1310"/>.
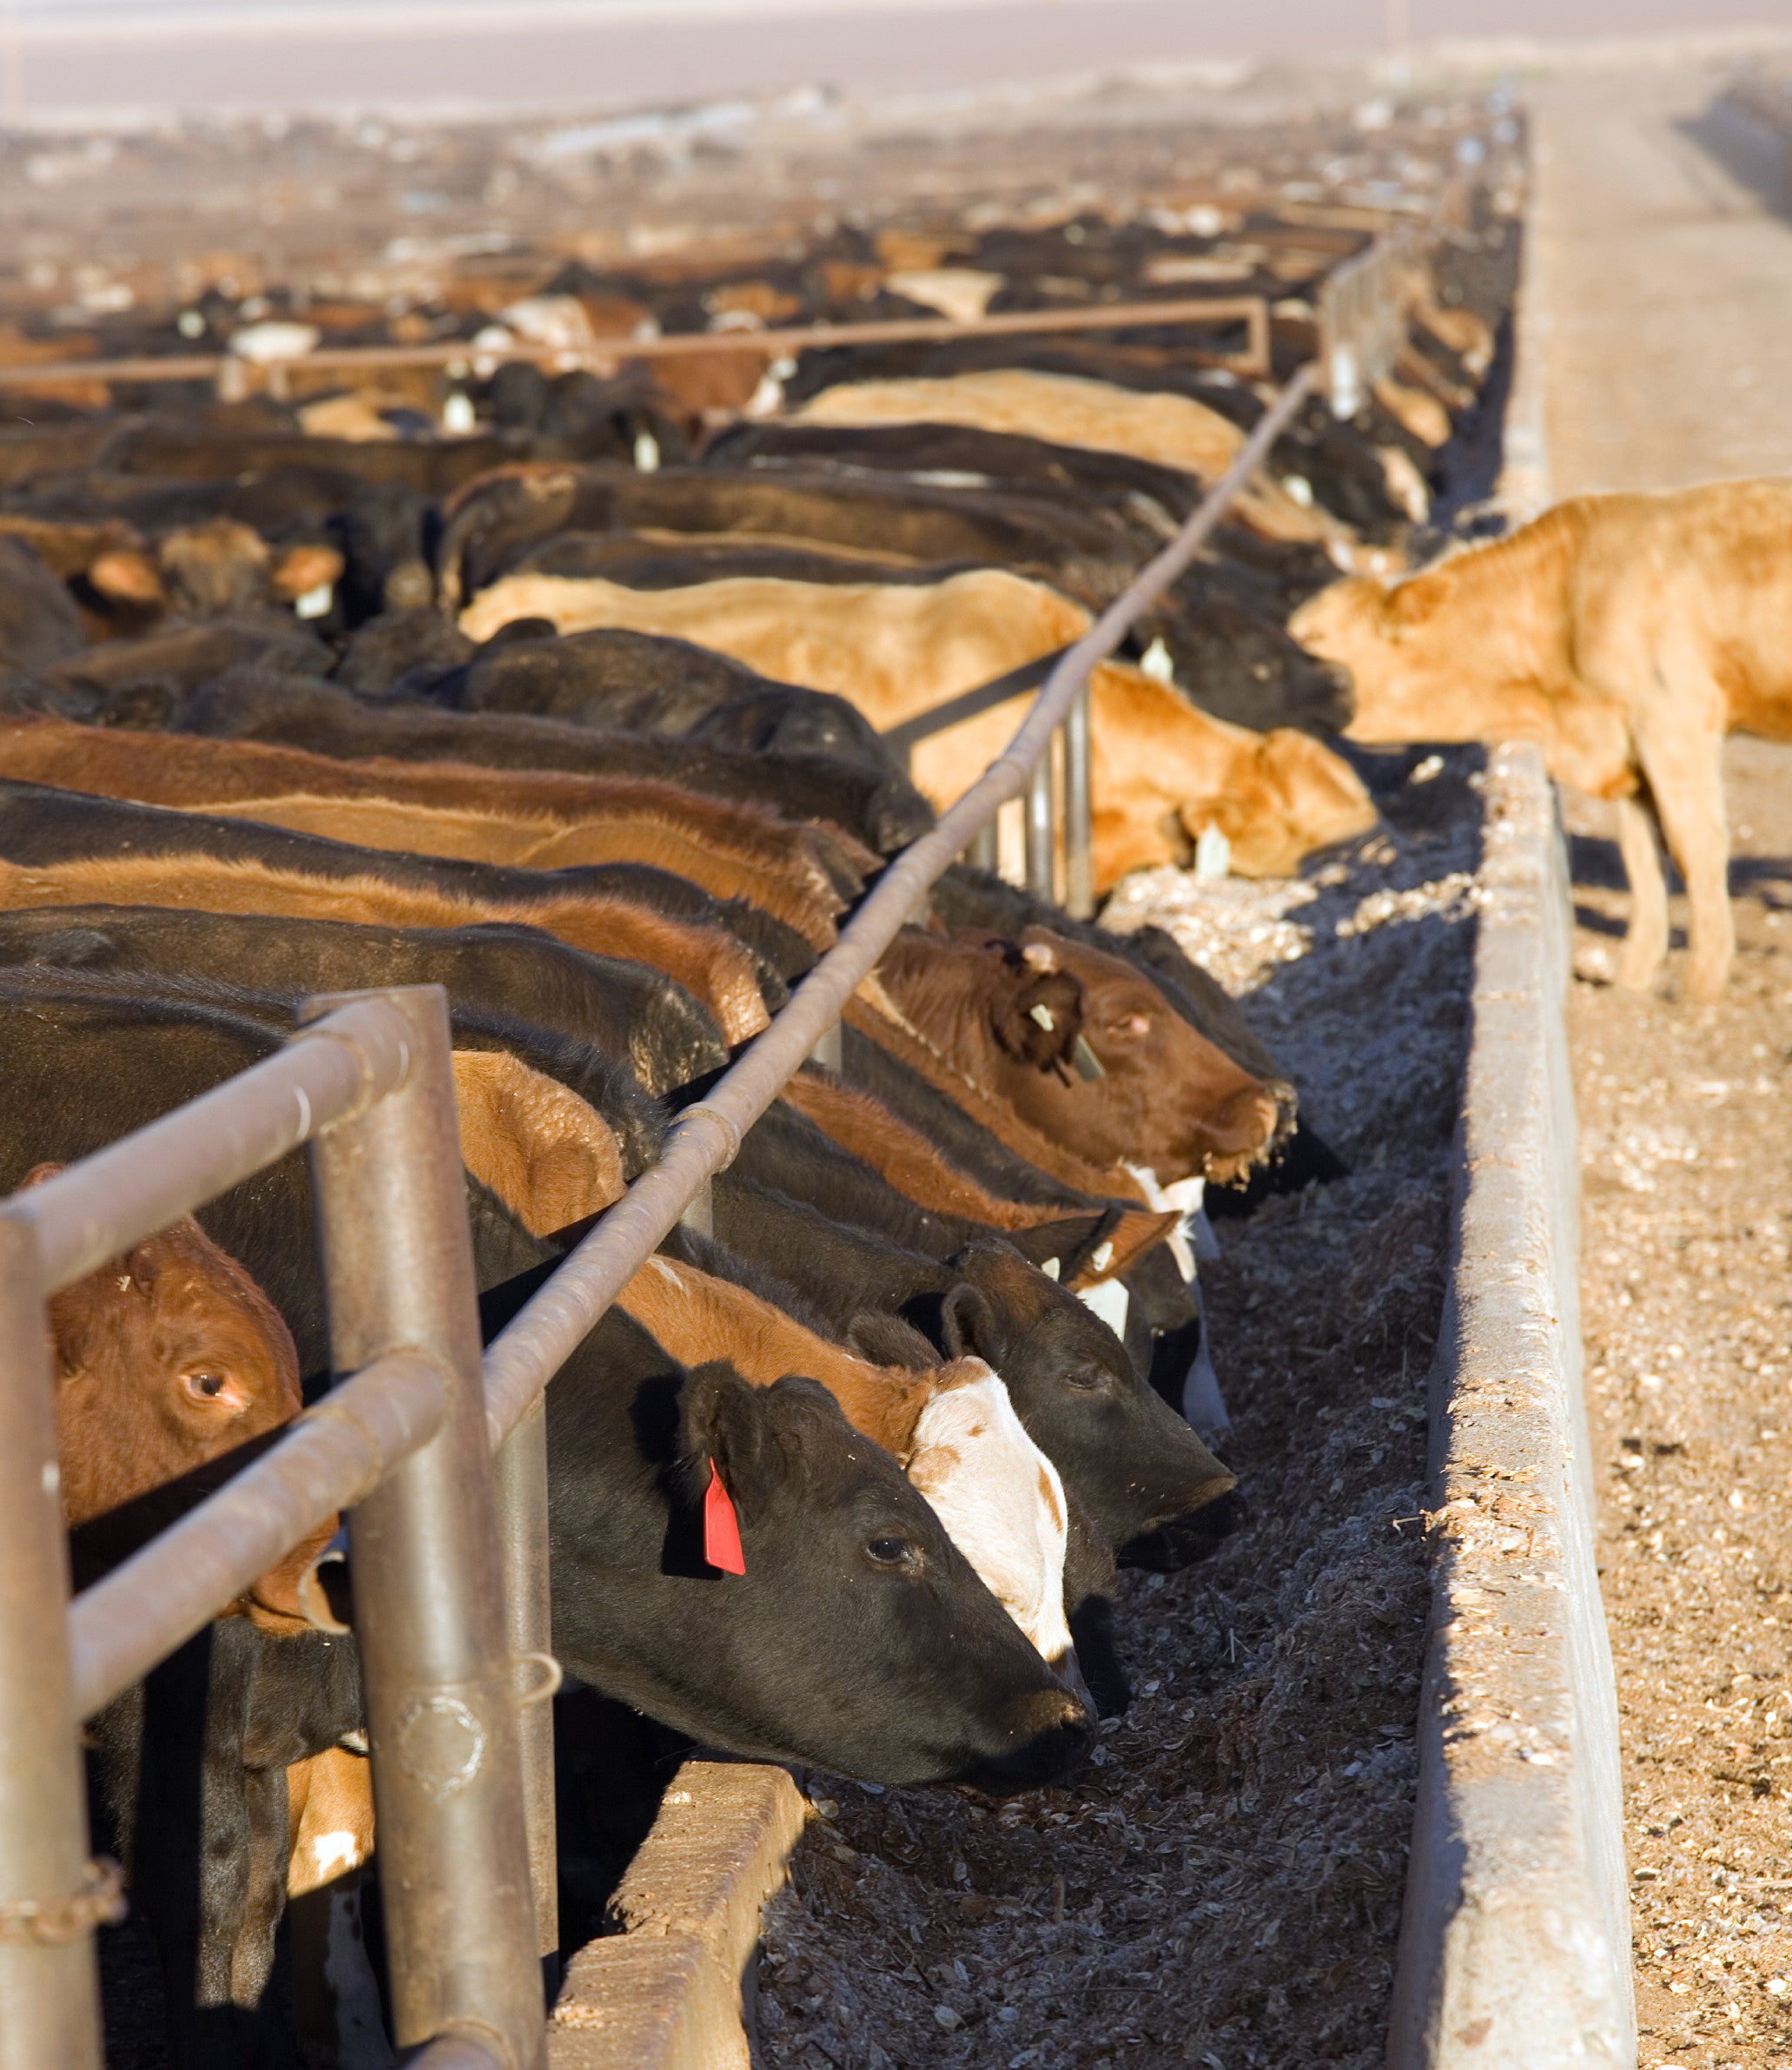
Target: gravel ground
<point x="1686" y="1153"/>
<point x="1222" y="1886"/>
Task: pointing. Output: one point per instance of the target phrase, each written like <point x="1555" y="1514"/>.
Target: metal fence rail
<point x="450" y="1558"/>
<point x="605" y="356"/>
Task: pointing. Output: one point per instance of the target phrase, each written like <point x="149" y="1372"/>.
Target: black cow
<point x="1129" y="1460"/>
<point x="884" y="811"/>
<point x="625" y="1010"/>
<point x="640" y="682"/>
<point x="1091" y="554"/>
<point x="850" y="1585"/>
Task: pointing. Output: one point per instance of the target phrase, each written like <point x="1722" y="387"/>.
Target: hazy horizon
<point x="108" y="57"/>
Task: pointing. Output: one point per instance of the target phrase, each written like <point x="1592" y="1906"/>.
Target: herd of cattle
<point x="587" y="726"/>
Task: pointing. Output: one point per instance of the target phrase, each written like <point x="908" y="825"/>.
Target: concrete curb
<point x="1524" y="491"/>
<point x="1515" y="1943"/>
<point x="674" y="1991"/>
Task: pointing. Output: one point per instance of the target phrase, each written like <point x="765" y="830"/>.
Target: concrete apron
<point x="1515" y="1945"/>
<point x="674" y="1990"/>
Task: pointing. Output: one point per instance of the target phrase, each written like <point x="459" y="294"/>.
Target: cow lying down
<point x="1626" y="635"/>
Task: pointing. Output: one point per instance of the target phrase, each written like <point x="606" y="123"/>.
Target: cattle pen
<point x="1512" y="1942"/>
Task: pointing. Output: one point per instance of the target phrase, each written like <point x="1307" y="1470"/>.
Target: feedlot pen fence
<point x="450" y="1554"/>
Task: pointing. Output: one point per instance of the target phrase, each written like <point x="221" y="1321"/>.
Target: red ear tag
<point x="721" y="1527"/>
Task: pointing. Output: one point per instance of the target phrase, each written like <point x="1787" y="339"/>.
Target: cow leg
<point x="1646" y="940"/>
<point x="1685" y="774"/>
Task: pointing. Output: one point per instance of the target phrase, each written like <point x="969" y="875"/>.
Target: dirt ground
<point x="1686" y="1165"/>
<point x="1222" y="1886"/>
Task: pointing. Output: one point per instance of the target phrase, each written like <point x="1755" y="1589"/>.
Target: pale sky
<point x="107" y="55"/>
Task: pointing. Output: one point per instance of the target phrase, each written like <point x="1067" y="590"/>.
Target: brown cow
<point x="165" y="1359"/>
<point x="1626" y="635"/>
<point x="711" y="965"/>
<point x="548" y="1156"/>
<point x="1011" y="1016"/>
<point x="535" y="819"/>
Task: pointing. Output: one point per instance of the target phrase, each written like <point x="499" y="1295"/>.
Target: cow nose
<point x="1069" y="1671"/>
<point x="1050" y="1715"/>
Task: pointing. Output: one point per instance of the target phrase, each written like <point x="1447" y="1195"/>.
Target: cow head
<point x="1286" y="796"/>
<point x="858" y="1639"/>
<point x="164" y="1359"/>
<point x="1162" y="1095"/>
<point x="1383" y="636"/>
<point x="1123" y="1453"/>
<point x="999" y="1498"/>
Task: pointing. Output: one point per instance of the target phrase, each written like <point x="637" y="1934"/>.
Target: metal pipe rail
<point x="605" y="354"/>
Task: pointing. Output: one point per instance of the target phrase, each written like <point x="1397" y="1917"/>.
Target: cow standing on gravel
<point x="1626" y="635"/>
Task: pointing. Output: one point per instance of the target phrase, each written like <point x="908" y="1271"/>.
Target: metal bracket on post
<point x="49" y="1994"/>
<point x="437" y="1661"/>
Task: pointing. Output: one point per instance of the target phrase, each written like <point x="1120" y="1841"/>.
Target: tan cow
<point x="1626" y="635"/>
<point x="1163" y="771"/>
<point x="1169" y="430"/>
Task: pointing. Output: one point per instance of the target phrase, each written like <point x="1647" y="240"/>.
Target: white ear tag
<point x="1111" y="1301"/>
<point x="1043" y="1016"/>
<point x="315" y="602"/>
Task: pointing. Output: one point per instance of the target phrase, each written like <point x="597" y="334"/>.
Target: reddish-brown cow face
<point x="163" y="1359"/>
<point x="1167" y="1099"/>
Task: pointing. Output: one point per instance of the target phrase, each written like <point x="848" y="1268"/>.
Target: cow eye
<point x="205" y="1385"/>
<point x="889" y="1553"/>
<point x="1088" y="1379"/>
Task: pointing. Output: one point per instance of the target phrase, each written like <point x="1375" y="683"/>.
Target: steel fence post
<point x="50" y="2000"/>
<point x="440" y="1679"/>
<point x="1078" y="812"/>
<point x="985" y="850"/>
<point x="1038" y="825"/>
<point x="522" y="1531"/>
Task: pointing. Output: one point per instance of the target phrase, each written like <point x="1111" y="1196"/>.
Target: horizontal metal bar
<point x="335" y="1454"/>
<point x="611" y="352"/>
<point x="520" y="1361"/>
<point x="140" y="1184"/>
<point x="970" y="704"/>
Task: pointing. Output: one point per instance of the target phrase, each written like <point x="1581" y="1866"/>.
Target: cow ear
<point x="1037" y="1016"/>
<point x="1409" y="604"/>
<point x="968" y="1325"/>
<point x="721" y="1425"/>
<point x="128" y="575"/>
<point x="888" y="1341"/>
